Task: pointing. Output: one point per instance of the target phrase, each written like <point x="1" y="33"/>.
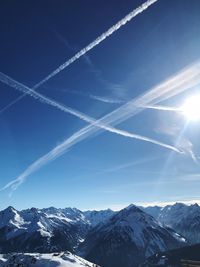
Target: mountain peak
<point x="178" y="204"/>
<point x="9" y="209"/>
<point x="127" y="238"/>
<point x="133" y="208"/>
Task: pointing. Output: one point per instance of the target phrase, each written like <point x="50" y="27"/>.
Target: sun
<point x="191" y="108"/>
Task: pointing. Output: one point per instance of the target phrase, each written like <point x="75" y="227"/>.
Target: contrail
<point x="110" y="100"/>
<point x="103" y="99"/>
<point x="11" y="103"/>
<point x="94" y="97"/>
<point x="128" y="164"/>
<point x="60" y="149"/>
<point x="182" y="81"/>
<point x="164" y="108"/>
<point x="99" y="39"/>
<point x="19" y="86"/>
<point x="107" y="99"/>
<point x="89" y="47"/>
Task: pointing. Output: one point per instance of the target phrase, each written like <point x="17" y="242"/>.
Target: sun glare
<point x="191" y="108"/>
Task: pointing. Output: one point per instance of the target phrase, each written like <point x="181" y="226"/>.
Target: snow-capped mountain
<point x="62" y="259"/>
<point x="95" y="217"/>
<point x="184" y="219"/>
<point x="46" y="230"/>
<point x="152" y="210"/>
<point x="127" y="239"/>
<point x="36" y="231"/>
<point x="109" y="238"/>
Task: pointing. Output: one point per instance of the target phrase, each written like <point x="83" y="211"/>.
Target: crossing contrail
<point x="89" y="47"/>
<point x="21" y="87"/>
<point x="184" y="80"/>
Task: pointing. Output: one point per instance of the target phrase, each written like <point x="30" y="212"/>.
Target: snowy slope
<point x="46" y="230"/>
<point x="184" y="219"/>
<point x="127" y="239"/>
<point x="35" y="231"/>
<point x="95" y="217"/>
<point x="152" y="210"/>
<point x="63" y="259"/>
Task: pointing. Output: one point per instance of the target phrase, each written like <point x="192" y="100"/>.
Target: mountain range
<point x="127" y="239"/>
<point x="46" y="230"/>
<point x="107" y="238"/>
<point x="184" y="219"/>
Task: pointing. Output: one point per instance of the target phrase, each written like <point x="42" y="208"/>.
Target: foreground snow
<point x="63" y="259"/>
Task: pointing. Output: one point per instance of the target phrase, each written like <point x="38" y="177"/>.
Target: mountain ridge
<point x="183" y="218"/>
<point x="127" y="238"/>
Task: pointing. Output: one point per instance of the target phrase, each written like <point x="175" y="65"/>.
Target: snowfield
<point x="63" y="259"/>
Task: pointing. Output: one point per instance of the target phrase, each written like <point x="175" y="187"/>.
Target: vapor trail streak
<point x="103" y="99"/>
<point x="99" y="39"/>
<point x="19" y="86"/>
<point x="164" y="108"/>
<point x="182" y="81"/>
<point x="107" y="99"/>
<point x="89" y="47"/>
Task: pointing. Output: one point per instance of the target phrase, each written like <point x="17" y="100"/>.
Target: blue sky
<point x="105" y="169"/>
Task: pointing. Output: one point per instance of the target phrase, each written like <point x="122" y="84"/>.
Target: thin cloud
<point x="118" y="207"/>
<point x="89" y="47"/>
<point x="191" y="177"/>
<point x="175" y="129"/>
<point x="11" y="103"/>
<point x="187" y="146"/>
<point x="176" y="84"/>
<point x="129" y="164"/>
<point x="165" y="203"/>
